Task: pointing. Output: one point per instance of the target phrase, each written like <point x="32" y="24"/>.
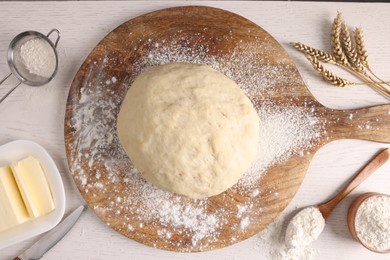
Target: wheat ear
<point x="336" y="43"/>
<point x="326" y="74"/>
<point x="321" y="55"/>
<point x="349" y="49"/>
<point x="362" y="53"/>
<point x="360" y="47"/>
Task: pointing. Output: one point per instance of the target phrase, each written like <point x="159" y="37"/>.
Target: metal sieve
<point x="17" y="66"/>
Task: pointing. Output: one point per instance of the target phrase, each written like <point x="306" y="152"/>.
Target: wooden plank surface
<point x="37" y="114"/>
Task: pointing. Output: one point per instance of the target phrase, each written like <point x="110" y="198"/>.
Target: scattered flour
<point x="276" y="144"/>
<point x="372" y="222"/>
<point x="244" y="223"/>
<point x="97" y="156"/>
<point x="130" y="227"/>
<point x="254" y="193"/>
<point x="240" y="210"/>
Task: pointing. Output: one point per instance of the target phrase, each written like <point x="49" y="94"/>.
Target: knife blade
<point x="37" y="250"/>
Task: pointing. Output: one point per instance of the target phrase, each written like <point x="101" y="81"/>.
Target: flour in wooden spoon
<point x="273" y="238"/>
<point x="286" y="130"/>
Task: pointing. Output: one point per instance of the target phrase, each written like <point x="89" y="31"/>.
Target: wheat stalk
<point x="321" y="55"/>
<point x="326" y="74"/>
<point x="348" y="54"/>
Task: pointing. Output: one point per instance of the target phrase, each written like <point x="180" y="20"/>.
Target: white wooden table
<point x="37" y="114"/>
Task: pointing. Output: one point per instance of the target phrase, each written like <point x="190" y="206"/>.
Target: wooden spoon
<point x="380" y="159"/>
<point x="352" y="216"/>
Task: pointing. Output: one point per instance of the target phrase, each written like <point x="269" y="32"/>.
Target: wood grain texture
<point x="37" y="115"/>
<point x="128" y="43"/>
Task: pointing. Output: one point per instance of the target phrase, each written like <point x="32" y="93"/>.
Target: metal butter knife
<point x="51" y="238"/>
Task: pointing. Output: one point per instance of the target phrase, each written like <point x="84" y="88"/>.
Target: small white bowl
<point x="15" y="151"/>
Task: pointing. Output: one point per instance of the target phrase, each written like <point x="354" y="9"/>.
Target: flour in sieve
<point x="38" y="57"/>
<point x="97" y="147"/>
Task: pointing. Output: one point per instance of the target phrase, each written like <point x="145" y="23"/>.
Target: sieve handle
<point x="9" y="92"/>
<point x="5" y="78"/>
<point x="58" y="36"/>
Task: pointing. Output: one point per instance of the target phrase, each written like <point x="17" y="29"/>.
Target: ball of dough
<point x="188" y="129"/>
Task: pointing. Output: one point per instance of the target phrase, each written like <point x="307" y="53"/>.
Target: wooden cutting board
<point x="101" y="169"/>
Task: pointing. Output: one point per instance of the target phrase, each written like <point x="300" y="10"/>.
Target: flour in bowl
<point x="372" y="222"/>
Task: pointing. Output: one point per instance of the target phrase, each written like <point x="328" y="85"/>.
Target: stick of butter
<point x="33" y="186"/>
<point x="12" y="208"/>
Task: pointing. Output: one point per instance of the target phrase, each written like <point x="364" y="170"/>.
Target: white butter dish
<point x="16" y="151"/>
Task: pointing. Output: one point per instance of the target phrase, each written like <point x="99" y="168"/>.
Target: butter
<point x="33" y="186"/>
<point x="12" y="208"/>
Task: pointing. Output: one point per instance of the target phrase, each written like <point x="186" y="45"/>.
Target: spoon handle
<point x="380" y="159"/>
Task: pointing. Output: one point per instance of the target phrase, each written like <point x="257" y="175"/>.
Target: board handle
<point x="372" y="124"/>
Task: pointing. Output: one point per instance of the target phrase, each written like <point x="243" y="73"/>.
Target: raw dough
<point x="188" y="129"/>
